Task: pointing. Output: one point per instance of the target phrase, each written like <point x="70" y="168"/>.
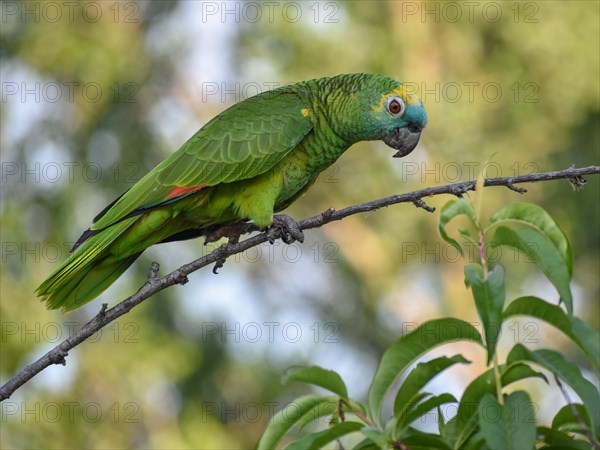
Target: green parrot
<point x="250" y="161"/>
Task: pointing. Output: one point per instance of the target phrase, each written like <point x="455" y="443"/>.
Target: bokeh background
<point x="95" y="94"/>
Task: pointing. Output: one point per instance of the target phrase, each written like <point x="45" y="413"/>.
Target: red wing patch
<point x="179" y="190"/>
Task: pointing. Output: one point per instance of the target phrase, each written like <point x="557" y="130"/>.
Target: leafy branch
<point x="156" y="284"/>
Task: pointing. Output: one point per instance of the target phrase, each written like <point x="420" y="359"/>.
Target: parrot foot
<point x="286" y="228"/>
<point x="231" y="231"/>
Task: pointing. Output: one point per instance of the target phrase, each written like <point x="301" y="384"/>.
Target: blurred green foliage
<point x="94" y="94"/>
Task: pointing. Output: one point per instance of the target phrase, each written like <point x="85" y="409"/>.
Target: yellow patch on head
<point x="408" y="97"/>
<point x="305" y="112"/>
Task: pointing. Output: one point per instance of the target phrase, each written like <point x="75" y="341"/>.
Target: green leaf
<point x="510" y="426"/>
<point x="425" y="441"/>
<point x="410" y="347"/>
<point x="322" y="438"/>
<point x="465" y="422"/>
<point x="327" y="379"/>
<point x="565" y="420"/>
<point x="536" y="217"/>
<point x="542" y="252"/>
<point x="376" y="436"/>
<point x="285" y="419"/>
<point x="422" y="374"/>
<point x="590" y="341"/>
<point x="567" y="371"/>
<point x="468" y="440"/>
<point x="450" y="210"/>
<point x="368" y="444"/>
<point x="584" y="336"/>
<point x="468" y="236"/>
<point x="449" y="431"/>
<point x="489" y="298"/>
<point x="423" y="408"/>
<point x="560" y="441"/>
<point x="479" y="185"/>
<point x="440" y="415"/>
<point x="475" y="442"/>
<point x="572" y="445"/>
<point x="404" y="408"/>
<point x="326" y="407"/>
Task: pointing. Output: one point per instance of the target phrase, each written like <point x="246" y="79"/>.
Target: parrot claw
<point x="231" y="231"/>
<point x="286" y="228"/>
<point x="218" y="264"/>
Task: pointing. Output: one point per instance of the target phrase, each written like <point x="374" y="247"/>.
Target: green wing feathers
<point x="243" y="142"/>
<point x="88" y="271"/>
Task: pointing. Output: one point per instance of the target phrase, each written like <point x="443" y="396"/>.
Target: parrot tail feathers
<point x="88" y="272"/>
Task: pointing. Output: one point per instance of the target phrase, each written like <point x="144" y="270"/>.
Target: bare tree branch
<point x="155" y="284"/>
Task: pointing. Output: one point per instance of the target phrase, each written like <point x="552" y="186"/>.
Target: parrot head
<point x="399" y="116"/>
<point x="408" y="118"/>
<point x="381" y="108"/>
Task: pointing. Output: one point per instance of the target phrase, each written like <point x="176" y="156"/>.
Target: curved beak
<point x="404" y="139"/>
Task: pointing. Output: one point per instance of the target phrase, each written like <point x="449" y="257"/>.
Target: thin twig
<point x="154" y="284"/>
<point x="584" y="429"/>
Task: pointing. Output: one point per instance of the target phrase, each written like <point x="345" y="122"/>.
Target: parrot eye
<point x="396" y="106"/>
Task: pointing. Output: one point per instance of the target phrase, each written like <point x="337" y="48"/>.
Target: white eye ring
<point x="392" y="106"/>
